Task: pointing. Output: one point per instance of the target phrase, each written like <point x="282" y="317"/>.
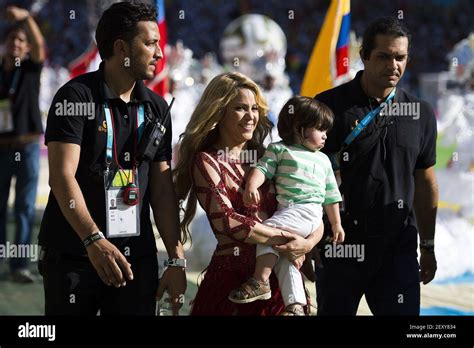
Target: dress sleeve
<point x="213" y="197"/>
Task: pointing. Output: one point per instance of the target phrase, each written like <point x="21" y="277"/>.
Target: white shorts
<point x="301" y="219"/>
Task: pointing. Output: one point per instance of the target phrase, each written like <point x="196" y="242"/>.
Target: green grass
<point x="21" y="299"/>
<point x="443" y="153"/>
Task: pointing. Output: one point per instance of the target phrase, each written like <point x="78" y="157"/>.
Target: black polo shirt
<point x="91" y="135"/>
<point x="377" y="169"/>
<point x="25" y="98"/>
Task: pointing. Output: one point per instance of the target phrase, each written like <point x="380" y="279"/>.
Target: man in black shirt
<point x="386" y="167"/>
<point x="20" y="129"/>
<point x="94" y="125"/>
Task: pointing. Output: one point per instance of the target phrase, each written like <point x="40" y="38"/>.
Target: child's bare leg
<point x="264" y="266"/>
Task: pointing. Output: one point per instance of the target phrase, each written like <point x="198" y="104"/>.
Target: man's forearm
<point x="167" y="222"/>
<point x="426" y="206"/>
<point x="165" y="207"/>
<point x="73" y="206"/>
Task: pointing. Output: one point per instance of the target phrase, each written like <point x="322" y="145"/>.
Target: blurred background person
<point x="20" y="129"/>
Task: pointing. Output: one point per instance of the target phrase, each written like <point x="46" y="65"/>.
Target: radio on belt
<point x="152" y="136"/>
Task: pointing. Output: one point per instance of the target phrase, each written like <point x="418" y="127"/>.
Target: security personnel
<point x="96" y="234"/>
<point x="383" y="143"/>
<point x="20" y="129"/>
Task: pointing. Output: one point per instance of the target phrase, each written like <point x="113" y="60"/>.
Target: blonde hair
<point x="202" y="132"/>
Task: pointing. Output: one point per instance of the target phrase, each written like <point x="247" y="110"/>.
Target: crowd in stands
<point x="436" y="26"/>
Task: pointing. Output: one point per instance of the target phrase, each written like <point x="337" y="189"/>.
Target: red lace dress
<point x="219" y="186"/>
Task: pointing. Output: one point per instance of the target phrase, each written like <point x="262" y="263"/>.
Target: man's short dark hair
<point x="382" y="26"/>
<point x="18" y="26"/>
<point x="119" y="21"/>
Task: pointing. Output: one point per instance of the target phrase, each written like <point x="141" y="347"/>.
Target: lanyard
<point x="367" y="119"/>
<point x="14" y="84"/>
<point x="140" y="125"/>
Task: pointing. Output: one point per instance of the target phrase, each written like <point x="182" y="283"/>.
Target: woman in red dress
<point x="222" y="139"/>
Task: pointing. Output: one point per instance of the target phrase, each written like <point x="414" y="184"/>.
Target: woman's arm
<point x="213" y="197"/>
<point x="266" y="235"/>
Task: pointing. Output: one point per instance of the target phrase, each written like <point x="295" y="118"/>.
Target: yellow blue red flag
<point x="330" y="57"/>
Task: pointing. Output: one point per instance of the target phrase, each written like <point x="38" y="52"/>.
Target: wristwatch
<point x="427" y="244"/>
<point x="175" y="263"/>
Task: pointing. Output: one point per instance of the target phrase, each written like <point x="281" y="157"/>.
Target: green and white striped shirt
<point x="301" y="175"/>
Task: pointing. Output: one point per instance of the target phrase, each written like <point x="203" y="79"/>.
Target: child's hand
<point x="338" y="233"/>
<point x="251" y="196"/>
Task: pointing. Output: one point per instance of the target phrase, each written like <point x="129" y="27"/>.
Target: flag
<point x="90" y="59"/>
<point x="329" y="60"/>
<point x="86" y="62"/>
<point x="159" y="83"/>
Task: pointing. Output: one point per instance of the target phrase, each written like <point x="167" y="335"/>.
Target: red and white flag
<point x="90" y="59"/>
<point x="159" y="83"/>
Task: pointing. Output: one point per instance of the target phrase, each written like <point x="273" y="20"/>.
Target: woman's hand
<point x="298" y="246"/>
<point x="295" y="248"/>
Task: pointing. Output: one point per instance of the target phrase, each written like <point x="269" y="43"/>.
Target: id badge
<point x="123" y="219"/>
<point x="6" y="117"/>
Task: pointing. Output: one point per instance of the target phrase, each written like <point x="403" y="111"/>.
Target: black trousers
<point x="388" y="276"/>
<point x="73" y="287"/>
